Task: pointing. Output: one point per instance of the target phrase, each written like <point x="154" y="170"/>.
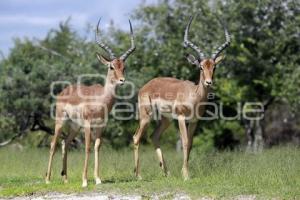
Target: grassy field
<point x="275" y="173"/>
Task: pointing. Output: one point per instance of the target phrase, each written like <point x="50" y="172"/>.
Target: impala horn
<point x="223" y="46"/>
<point x="188" y="43"/>
<point x="132" y="48"/>
<point x="102" y="44"/>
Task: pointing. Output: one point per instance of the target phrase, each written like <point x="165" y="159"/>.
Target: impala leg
<point x="184" y="139"/>
<point x="87" y="134"/>
<point x="191" y="130"/>
<point x="136" y="142"/>
<point x="58" y="129"/>
<point x="65" y="148"/>
<point x="163" y="125"/>
<point x="97" y="147"/>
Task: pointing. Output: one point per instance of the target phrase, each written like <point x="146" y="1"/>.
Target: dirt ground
<point x="94" y="196"/>
<point x="102" y="196"/>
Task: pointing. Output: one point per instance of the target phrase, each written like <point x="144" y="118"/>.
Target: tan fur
<point x="90" y="97"/>
<point x="86" y="107"/>
<point x="172" y="98"/>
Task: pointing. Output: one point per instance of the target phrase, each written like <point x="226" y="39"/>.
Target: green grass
<point x="275" y="173"/>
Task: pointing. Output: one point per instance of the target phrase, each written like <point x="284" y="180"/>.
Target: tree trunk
<point x="254" y="133"/>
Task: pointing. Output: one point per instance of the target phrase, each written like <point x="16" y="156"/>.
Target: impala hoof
<point x="65" y="179"/>
<point x="167" y="173"/>
<point x="48" y="182"/>
<point x="139" y="177"/>
<point x="84" y="184"/>
<point x="185" y="174"/>
<point x="98" y="181"/>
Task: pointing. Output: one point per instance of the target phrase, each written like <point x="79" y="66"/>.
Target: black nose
<point x="122" y="80"/>
<point x="208" y="82"/>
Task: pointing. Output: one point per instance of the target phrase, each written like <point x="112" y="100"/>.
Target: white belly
<point x="164" y="108"/>
<point x="167" y="109"/>
<point x="74" y="113"/>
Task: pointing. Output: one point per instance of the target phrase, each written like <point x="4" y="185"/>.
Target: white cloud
<point x="33" y="18"/>
<point x="80" y="19"/>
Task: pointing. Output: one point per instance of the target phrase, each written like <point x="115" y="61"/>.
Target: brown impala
<point x="87" y="107"/>
<point x="173" y="98"/>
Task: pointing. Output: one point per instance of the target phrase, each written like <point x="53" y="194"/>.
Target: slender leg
<point x="191" y="130"/>
<point x="184" y="139"/>
<point x="97" y="147"/>
<point x="163" y="125"/>
<point x="136" y="142"/>
<point x="87" y="133"/>
<point x="65" y="148"/>
<point x="58" y="127"/>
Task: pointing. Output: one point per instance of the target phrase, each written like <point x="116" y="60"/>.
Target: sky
<point x="34" y="18"/>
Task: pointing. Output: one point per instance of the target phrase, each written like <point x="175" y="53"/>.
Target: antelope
<point x="173" y="98"/>
<point x="86" y="107"/>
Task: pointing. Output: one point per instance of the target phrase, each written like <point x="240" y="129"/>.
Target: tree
<point x="254" y="72"/>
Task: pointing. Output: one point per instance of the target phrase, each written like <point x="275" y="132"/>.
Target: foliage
<point x="261" y="64"/>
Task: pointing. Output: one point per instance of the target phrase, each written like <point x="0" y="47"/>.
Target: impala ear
<point x="219" y="59"/>
<point x="192" y="59"/>
<point x="103" y="60"/>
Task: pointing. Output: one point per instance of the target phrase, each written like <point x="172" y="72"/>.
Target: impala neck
<point x="110" y="86"/>
<point x="201" y="89"/>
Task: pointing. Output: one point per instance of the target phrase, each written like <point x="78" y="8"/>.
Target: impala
<point x="86" y="107"/>
<point x="173" y="98"/>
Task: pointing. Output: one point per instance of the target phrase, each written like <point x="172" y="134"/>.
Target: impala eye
<point x="111" y="67"/>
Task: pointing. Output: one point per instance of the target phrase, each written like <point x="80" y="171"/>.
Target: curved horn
<point x="132" y="48"/>
<point x="103" y="45"/>
<point x="189" y="43"/>
<point x="223" y="46"/>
